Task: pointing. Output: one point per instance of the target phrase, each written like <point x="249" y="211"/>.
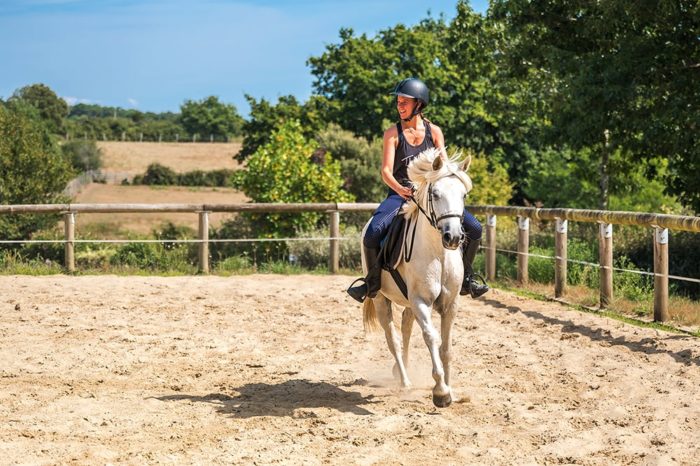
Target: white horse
<point x="434" y="273"/>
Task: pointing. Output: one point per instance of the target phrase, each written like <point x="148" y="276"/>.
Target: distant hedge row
<point x="157" y="174"/>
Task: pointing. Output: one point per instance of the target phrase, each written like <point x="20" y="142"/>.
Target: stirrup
<point x="358" y="293"/>
<point x="471" y="287"/>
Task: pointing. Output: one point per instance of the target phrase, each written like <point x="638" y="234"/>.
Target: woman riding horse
<point x="402" y="142"/>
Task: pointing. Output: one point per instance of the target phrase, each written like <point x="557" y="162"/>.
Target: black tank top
<point x="405" y="153"/>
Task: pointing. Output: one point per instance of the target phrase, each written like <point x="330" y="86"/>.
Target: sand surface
<point x="269" y="369"/>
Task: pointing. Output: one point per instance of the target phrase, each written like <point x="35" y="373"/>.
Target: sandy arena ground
<point x="268" y="369"/>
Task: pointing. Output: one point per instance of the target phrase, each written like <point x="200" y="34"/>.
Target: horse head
<point x="441" y="185"/>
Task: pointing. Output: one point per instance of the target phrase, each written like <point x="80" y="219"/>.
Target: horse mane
<point x="421" y="174"/>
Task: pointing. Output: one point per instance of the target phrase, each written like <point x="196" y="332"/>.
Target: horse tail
<point x="369" y="316"/>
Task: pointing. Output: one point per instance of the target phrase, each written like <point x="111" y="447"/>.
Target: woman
<point x="403" y="141"/>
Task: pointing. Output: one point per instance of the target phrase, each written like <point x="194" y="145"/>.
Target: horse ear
<point x="466" y="163"/>
<point x="437" y="163"/>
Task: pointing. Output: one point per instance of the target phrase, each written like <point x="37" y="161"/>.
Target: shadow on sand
<point x="645" y="345"/>
<point x="282" y="399"/>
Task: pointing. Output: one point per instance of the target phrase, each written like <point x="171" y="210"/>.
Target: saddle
<point x="390" y="251"/>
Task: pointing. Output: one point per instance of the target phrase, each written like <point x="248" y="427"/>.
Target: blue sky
<point x="154" y="54"/>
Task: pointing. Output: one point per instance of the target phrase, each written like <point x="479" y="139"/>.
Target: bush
<point x="315" y="253"/>
<point x="157" y="174"/>
<point x="285" y="170"/>
<point x="153" y="256"/>
<point x="360" y="162"/>
<point x="630" y="285"/>
<point x="214" y="178"/>
<point x="83" y="155"/>
<point x="490" y="179"/>
<point x="237" y="264"/>
<point x="540" y="269"/>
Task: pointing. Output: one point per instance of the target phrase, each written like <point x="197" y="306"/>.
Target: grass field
<point x="96" y="193"/>
<point x="134" y="157"/>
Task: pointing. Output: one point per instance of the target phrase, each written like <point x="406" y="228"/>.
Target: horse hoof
<point x="442" y="401"/>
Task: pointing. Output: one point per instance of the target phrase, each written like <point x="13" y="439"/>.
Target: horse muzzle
<point x="451" y="240"/>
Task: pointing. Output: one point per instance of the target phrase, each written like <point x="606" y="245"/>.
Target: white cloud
<point x="78" y="100"/>
<point x="133" y="102"/>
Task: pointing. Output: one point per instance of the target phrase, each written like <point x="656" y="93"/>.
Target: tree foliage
<point x="32" y="171"/>
<point x="478" y="105"/>
<point x="50" y="108"/>
<point x="626" y="76"/>
<point x="289" y="169"/>
<point x="210" y="117"/>
<point x="265" y="118"/>
<point x="83" y="155"/>
<point x="491" y="183"/>
<point x="360" y="162"/>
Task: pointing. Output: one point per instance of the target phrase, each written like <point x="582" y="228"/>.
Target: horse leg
<point x="393" y="338"/>
<point x="447" y="318"/>
<point x="441" y="391"/>
<point x="407" y="319"/>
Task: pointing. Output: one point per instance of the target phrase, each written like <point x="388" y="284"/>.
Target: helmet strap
<point x="416" y="111"/>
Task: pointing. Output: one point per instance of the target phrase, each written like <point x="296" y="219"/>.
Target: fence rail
<point x="606" y="219"/>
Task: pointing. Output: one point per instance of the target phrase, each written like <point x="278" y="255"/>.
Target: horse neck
<point x="428" y="234"/>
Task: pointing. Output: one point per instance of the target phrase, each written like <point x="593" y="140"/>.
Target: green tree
<point x="357" y="75"/>
<point x="51" y="109"/>
<point x="32" y="171"/>
<point x="289" y="169"/>
<point x="476" y="102"/>
<point x="490" y="180"/>
<point x="266" y="117"/>
<point x="624" y="78"/>
<point x="210" y="117"/>
<point x="83" y="155"/>
<point x="360" y="162"/>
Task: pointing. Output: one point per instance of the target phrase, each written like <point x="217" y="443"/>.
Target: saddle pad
<point x="392" y="244"/>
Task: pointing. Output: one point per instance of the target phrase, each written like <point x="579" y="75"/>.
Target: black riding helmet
<point x="415" y="89"/>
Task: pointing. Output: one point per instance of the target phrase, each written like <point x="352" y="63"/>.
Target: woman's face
<point x="405" y="106"/>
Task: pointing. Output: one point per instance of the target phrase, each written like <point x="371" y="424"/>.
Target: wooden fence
<point x="606" y="219"/>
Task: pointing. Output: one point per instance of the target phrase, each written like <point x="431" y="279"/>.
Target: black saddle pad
<point x="390" y="251"/>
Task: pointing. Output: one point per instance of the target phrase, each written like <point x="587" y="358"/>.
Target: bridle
<point x="432" y="219"/>
<point x="430" y="215"/>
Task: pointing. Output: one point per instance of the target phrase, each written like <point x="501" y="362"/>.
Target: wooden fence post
<point x="606" y="264"/>
<point x="204" y="245"/>
<point x="661" y="275"/>
<point x="523" y="247"/>
<point x="69" y="223"/>
<point x="334" y="257"/>
<point x="490" y="247"/>
<point x="560" y="253"/>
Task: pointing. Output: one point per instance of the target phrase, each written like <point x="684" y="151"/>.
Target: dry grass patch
<point x="134" y="157"/>
<point x="144" y="223"/>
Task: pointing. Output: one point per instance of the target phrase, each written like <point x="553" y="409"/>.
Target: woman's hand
<point x="405" y="192"/>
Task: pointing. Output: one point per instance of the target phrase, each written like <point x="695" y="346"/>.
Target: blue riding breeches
<point x="388" y="209"/>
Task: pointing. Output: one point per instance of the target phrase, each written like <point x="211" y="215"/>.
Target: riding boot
<point x="469" y="285"/>
<point x="372" y="282"/>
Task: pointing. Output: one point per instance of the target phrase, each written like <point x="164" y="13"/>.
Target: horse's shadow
<point x="645" y="345"/>
<point x="282" y="399"/>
